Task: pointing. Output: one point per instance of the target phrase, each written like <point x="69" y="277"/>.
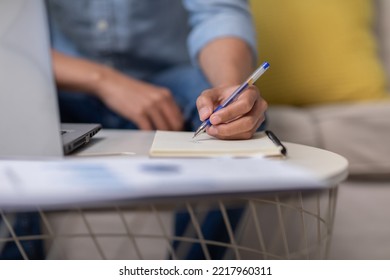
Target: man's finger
<point x="241" y="106"/>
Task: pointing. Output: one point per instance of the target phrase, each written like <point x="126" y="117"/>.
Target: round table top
<point x="326" y="165"/>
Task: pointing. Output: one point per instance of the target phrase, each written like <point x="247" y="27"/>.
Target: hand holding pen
<point x="243" y="109"/>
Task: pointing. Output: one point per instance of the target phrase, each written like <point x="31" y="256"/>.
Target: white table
<point x="327" y="165"/>
<point x="281" y="225"/>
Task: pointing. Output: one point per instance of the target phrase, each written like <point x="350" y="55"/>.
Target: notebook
<point x="182" y="144"/>
<point x="29" y="114"/>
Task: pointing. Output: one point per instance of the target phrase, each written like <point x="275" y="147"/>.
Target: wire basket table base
<point x="290" y="225"/>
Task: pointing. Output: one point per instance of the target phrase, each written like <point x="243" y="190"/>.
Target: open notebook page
<point x="181" y="144"/>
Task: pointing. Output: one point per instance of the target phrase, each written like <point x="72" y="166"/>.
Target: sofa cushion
<point x="358" y="131"/>
<point x="320" y="51"/>
<point x="292" y="125"/>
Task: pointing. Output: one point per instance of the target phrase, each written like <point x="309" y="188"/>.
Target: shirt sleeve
<point x="212" y="19"/>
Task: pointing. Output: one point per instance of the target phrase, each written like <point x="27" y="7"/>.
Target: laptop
<point x="29" y="113"/>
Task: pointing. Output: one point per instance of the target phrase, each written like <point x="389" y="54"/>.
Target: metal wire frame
<point x="291" y="225"/>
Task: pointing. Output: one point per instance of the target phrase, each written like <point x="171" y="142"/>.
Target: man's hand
<point x="228" y="61"/>
<point x="148" y="106"/>
<point x="239" y="120"/>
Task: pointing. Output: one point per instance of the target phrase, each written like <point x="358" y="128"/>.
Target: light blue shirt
<point x="142" y="37"/>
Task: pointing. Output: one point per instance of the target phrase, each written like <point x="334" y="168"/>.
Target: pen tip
<point x="201" y="129"/>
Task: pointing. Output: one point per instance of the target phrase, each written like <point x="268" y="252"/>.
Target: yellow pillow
<point x="320" y="51"/>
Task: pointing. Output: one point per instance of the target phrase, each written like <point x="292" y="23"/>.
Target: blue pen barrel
<point x="218" y="108"/>
<point x="234" y="95"/>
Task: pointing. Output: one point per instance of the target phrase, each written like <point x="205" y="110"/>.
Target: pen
<point x="250" y="81"/>
<point x="276" y="141"/>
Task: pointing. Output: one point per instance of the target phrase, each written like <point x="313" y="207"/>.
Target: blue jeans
<point x="24" y="224"/>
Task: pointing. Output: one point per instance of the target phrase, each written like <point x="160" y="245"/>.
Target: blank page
<point x="181" y="144"/>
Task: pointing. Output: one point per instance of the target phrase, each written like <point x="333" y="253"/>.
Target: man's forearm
<point x="77" y="74"/>
<point x="226" y="61"/>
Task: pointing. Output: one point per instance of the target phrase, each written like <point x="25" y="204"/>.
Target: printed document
<point x="80" y="182"/>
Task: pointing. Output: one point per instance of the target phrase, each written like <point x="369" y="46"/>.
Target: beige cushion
<point x="358" y="131"/>
<point x="292" y="124"/>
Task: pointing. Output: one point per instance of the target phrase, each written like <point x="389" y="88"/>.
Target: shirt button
<point x="102" y="25"/>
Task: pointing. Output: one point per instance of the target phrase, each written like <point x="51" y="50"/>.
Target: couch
<point x="347" y="112"/>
